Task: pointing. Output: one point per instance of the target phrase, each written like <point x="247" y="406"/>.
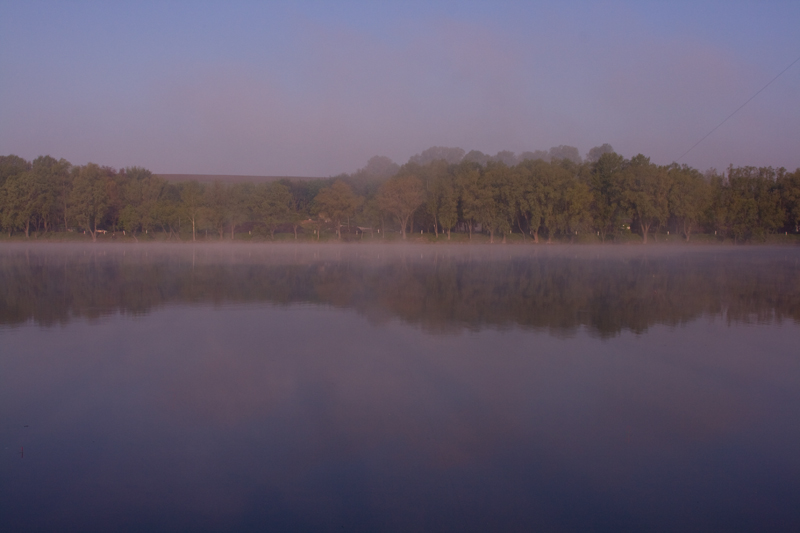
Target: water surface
<point x="396" y="388"/>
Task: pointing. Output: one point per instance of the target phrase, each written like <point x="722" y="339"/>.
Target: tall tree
<point x="595" y="153"/>
<point x="498" y="213"/>
<point x="274" y="206"/>
<point x="646" y="193"/>
<point x="338" y="203"/>
<point x="527" y="184"/>
<point x="89" y="198"/>
<point x="789" y="186"/>
<point x="400" y="197"/>
<point x="606" y="183"/>
<point x="192" y="204"/>
<point x="688" y="198"/>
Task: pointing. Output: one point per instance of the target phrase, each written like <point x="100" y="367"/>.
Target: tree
<point x="12" y="165"/>
<point x="380" y="167"/>
<point x="753" y="202"/>
<point x="216" y="204"/>
<point x="688" y="197"/>
<point x="435" y="153"/>
<point x="400" y="197"/>
<point x="497" y="213"/>
<point x="527" y="184"/>
<point x="606" y="184"/>
<point x="435" y="177"/>
<point x="140" y="193"/>
<point x="565" y="152"/>
<point x="19" y="202"/>
<point x="476" y="156"/>
<point x="167" y="210"/>
<point x="789" y="186"/>
<point x="274" y="206"/>
<point x="191" y="194"/>
<point x="47" y="175"/>
<point x="506" y="157"/>
<point x="338" y="203"/>
<point x="239" y="209"/>
<point x="595" y="153"/>
<point x="533" y="156"/>
<point x="89" y="198"/>
<point x="646" y="191"/>
<point x="467" y="180"/>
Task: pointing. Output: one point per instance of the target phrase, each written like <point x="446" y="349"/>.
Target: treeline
<point x="543" y="195"/>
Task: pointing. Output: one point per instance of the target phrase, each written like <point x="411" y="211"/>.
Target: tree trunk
<point x="194" y="232"/>
<point x="644" y="227"/>
<point x="491" y="235"/>
<point x="435" y="227"/>
<point x="28" y="228"/>
<point x="233" y="228"/>
<point x="448" y="234"/>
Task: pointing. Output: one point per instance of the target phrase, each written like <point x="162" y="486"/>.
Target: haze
<point x="316" y="89"/>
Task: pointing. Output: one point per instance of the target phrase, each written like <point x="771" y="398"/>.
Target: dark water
<point x="368" y="388"/>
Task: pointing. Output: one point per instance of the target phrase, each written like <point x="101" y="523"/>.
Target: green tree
<point x="646" y="193"/>
<point x="167" y="210"/>
<point x="141" y="193"/>
<point x="435" y="177"/>
<point x="192" y="206"/>
<point x="753" y="202"/>
<point x="89" y="198"/>
<point x="527" y="193"/>
<point x="400" y="197"/>
<point x="688" y="198"/>
<point x="47" y="176"/>
<point x="274" y="206"/>
<point x="606" y="184"/>
<point x="337" y="203"/>
<point x="240" y="208"/>
<point x="497" y="213"/>
<point x="216" y="207"/>
<point x="19" y="202"/>
<point x="789" y="187"/>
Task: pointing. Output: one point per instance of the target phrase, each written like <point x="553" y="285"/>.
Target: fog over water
<point x="443" y="288"/>
<point x="364" y="388"/>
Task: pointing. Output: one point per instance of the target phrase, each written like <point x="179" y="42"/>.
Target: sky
<point x="317" y="88"/>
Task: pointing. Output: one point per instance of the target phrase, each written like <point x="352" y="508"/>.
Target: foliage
<point x="550" y="194"/>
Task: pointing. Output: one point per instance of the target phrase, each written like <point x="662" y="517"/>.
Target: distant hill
<point x="229" y="178"/>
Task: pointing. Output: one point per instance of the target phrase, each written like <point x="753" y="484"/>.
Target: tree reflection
<point x="442" y="292"/>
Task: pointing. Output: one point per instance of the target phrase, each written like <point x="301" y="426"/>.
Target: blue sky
<point x="317" y="88"/>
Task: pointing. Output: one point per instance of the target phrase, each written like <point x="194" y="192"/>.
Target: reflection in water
<point x="178" y="410"/>
<point x="608" y="290"/>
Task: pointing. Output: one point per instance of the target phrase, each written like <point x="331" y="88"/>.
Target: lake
<point x="399" y="388"/>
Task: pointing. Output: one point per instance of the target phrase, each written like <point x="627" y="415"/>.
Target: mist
<point x="318" y="90"/>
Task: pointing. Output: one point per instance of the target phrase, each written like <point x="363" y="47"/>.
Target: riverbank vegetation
<point x="439" y="195"/>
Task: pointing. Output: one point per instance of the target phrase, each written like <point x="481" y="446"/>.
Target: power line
<point x="738" y="109"/>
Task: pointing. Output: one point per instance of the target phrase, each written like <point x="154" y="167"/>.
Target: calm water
<point x="369" y="388"/>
